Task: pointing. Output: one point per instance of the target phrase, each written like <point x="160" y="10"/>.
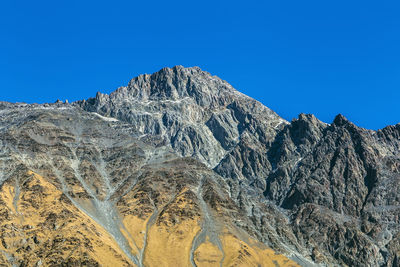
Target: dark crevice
<point x="370" y="181"/>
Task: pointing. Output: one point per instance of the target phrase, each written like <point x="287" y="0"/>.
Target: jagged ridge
<point x="180" y="154"/>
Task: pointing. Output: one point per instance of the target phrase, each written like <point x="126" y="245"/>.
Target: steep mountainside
<point x="180" y="169"/>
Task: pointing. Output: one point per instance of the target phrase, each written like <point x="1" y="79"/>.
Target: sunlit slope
<point x="40" y="225"/>
<point x="177" y="218"/>
<point x="177" y="168"/>
<point x="76" y="189"/>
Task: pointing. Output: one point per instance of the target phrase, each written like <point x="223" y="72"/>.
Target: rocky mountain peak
<point x="117" y="179"/>
<point x="176" y="84"/>
<point x="341" y="120"/>
<point x="199" y="114"/>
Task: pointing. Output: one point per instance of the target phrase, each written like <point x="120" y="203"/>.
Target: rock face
<point x="180" y="169"/>
<point x="199" y="115"/>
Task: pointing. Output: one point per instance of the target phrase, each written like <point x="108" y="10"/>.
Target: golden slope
<point x="239" y="253"/>
<point x="170" y="237"/>
<point x="172" y="234"/>
<point x="41" y="226"/>
<point x="208" y="255"/>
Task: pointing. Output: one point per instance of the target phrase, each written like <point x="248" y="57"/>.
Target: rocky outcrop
<point x="197" y="114"/>
<point x="178" y="168"/>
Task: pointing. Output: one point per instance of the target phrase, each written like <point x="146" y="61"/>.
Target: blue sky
<point x="320" y="57"/>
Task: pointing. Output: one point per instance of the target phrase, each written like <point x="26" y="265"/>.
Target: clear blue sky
<point x="320" y="57"/>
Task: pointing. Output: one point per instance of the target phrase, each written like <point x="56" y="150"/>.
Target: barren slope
<point x="179" y="169"/>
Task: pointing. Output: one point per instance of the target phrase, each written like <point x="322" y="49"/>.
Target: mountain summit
<point x="179" y="169"/>
<point x="199" y="115"/>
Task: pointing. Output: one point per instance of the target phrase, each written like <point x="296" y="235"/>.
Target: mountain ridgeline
<point x="180" y="169"/>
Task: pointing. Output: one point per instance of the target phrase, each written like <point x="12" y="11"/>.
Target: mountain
<point x="179" y="169"/>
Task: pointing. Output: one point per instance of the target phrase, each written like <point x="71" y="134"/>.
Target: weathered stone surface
<point x="197" y="114"/>
<point x="178" y="168"/>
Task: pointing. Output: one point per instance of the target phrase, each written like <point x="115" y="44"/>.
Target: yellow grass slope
<point x="41" y="226"/>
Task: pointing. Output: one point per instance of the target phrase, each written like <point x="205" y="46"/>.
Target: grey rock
<point x="323" y="194"/>
<point x="199" y="115"/>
